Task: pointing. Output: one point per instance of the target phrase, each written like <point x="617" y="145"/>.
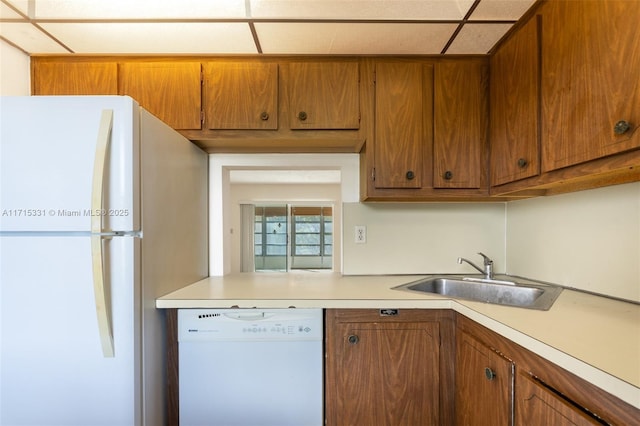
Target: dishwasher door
<point x="250" y="367"/>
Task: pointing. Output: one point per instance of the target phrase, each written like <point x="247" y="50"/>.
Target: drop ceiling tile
<point x="154" y="38"/>
<point x="7" y="13"/>
<point x="361" y="9"/>
<point x="29" y="38"/>
<point x="477" y="38"/>
<point x="493" y="10"/>
<point x="137" y="9"/>
<point x="21" y="5"/>
<point x="353" y="39"/>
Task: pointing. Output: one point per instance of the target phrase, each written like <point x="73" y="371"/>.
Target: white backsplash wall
<point x="588" y="240"/>
<point x="405" y="238"/>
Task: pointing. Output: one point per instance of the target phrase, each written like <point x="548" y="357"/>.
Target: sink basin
<point x="498" y="292"/>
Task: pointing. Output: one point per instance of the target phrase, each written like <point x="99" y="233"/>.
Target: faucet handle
<point x="487" y="259"/>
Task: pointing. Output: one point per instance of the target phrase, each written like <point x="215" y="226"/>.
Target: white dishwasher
<point x="250" y="367"/>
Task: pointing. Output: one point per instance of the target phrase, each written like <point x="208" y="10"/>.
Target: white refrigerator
<point x="103" y="208"/>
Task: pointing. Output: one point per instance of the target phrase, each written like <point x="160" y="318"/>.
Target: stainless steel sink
<point x="499" y="292"/>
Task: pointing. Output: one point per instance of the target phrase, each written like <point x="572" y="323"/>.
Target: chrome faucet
<point x="488" y="265"/>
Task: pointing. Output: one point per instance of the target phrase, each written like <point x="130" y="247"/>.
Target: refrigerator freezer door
<point x="47" y="156"/>
<point x="52" y="368"/>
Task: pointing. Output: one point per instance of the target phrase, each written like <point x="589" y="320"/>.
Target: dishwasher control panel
<point x="249" y="324"/>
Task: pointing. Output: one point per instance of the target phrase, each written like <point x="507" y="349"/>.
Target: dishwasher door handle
<point x="253" y="316"/>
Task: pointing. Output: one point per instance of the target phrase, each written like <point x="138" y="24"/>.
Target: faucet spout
<point x="488" y="265"/>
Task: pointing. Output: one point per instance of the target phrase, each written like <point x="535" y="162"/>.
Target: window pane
<point x="308" y="227"/>
<point x="328" y="239"/>
<point x="276" y="250"/>
<point x="308" y="239"/>
<point x="280" y="239"/>
<point x="328" y="250"/>
<point x="307" y="250"/>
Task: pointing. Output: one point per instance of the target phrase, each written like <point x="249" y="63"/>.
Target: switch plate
<point x="361" y="234"/>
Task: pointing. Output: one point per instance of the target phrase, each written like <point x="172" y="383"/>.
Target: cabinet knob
<point x="448" y="175"/>
<point x="489" y="373"/>
<point x="410" y="175"/>
<point x="302" y="116"/>
<point x="522" y="163"/>
<point x="353" y="339"/>
<point x="621" y="127"/>
<point x="264" y="116"/>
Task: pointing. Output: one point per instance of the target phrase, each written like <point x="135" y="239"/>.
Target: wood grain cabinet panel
<point x="460" y="124"/>
<point x="169" y="90"/>
<point x="401" y="142"/>
<point x="484" y="384"/>
<point x="590" y="68"/>
<point x="323" y="95"/>
<point x="382" y="372"/>
<point x="514" y="99"/>
<point x="538" y="405"/>
<point x="74" y="78"/>
<point x="241" y="95"/>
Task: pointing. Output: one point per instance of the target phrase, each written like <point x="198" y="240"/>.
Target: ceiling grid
<point x="258" y="27"/>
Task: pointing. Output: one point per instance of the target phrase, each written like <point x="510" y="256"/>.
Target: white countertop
<point x="594" y="337"/>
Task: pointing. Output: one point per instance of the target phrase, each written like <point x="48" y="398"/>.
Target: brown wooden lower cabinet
<point x="544" y="393"/>
<point x="540" y="405"/>
<point x="484" y="384"/>
<point x="424" y="367"/>
<point x="386" y="370"/>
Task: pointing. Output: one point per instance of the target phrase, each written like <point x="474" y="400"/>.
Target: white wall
<point x="15" y="74"/>
<point x="284" y="193"/>
<point x="588" y="240"/>
<point x="405" y="238"/>
<point x="220" y="166"/>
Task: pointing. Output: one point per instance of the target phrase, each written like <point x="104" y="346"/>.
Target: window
<point x="310" y="245"/>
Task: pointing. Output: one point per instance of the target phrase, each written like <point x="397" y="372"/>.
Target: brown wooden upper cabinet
<point x="460" y="124"/>
<point x="402" y="131"/>
<point x="74" y="78"/>
<point x="241" y="95"/>
<point x="323" y="95"/>
<point x="514" y="97"/>
<point x="169" y="90"/>
<point x="590" y="90"/>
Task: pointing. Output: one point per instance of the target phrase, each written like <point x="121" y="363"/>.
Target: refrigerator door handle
<point x="103" y="310"/>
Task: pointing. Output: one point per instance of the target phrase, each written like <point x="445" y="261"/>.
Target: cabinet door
<point x="484" y="385"/>
<point x="241" y="95"/>
<point x="168" y="90"/>
<point x="590" y="74"/>
<point x="460" y="124"/>
<point x="324" y="95"/>
<point x="75" y="78"/>
<point x="402" y="92"/>
<point x="383" y="374"/>
<point x="539" y="405"/>
<point x="514" y="98"/>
